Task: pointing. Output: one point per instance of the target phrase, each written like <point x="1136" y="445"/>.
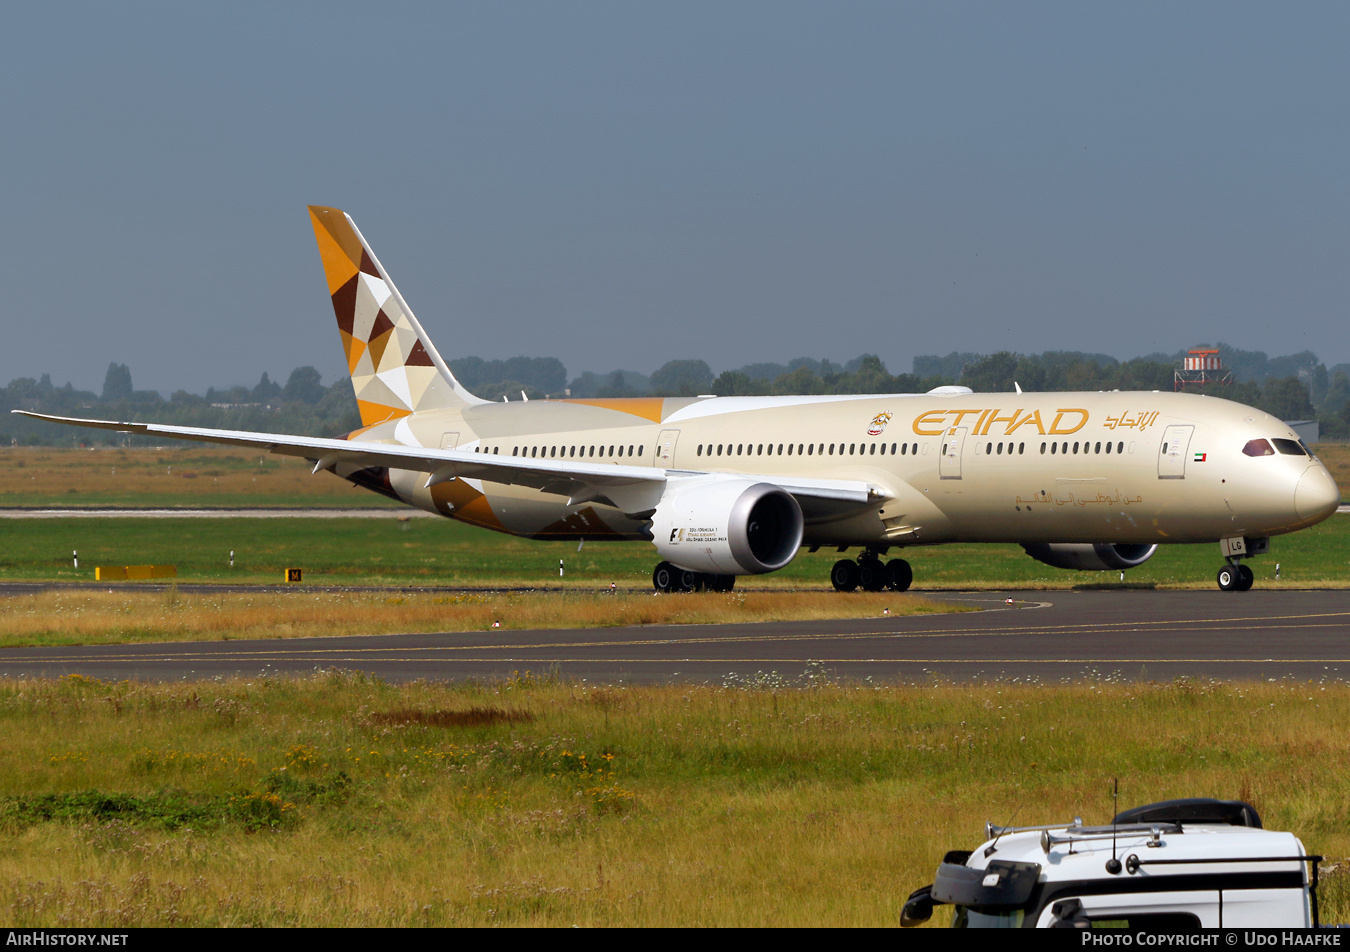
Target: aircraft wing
<point x="630" y="488"/>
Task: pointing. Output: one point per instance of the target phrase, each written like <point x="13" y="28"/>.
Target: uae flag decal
<point x="1200" y="457"/>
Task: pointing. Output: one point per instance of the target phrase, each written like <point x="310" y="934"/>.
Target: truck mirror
<point x="1068" y="914"/>
<point x="918" y="907"/>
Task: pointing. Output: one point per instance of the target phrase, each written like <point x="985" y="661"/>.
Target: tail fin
<point x="394" y="366"/>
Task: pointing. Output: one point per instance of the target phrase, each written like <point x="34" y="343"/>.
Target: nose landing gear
<point x="871" y="574"/>
<point x="1235" y="577"/>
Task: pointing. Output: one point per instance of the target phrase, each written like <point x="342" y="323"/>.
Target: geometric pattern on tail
<point x="392" y="372"/>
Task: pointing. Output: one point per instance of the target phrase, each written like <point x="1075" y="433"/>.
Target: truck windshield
<point x="968" y="918"/>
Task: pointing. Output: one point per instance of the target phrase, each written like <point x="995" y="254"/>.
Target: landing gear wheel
<point x="872" y="575"/>
<point x="899" y="575"/>
<point x="845" y="575"/>
<point x="1229" y="579"/>
<point x="721" y="583"/>
<point x="1245" y="578"/>
<point x="685" y="580"/>
<point x="663" y="577"/>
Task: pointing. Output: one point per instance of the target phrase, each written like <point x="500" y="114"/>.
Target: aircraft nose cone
<point x="1316" y="495"/>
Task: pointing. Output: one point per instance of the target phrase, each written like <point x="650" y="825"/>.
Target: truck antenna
<point x="1113" y="864"/>
<point x="988" y="850"/>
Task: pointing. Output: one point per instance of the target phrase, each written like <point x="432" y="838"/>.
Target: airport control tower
<point x="1200" y="367"/>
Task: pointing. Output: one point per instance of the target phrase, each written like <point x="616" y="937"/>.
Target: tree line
<point x="1293" y="387"/>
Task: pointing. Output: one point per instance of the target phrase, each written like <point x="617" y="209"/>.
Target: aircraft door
<point x="449" y="441"/>
<point x="1176" y="440"/>
<point x="949" y="466"/>
<point x="665" y="448"/>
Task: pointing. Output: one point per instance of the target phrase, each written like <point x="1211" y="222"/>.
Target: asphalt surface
<point x="1049" y="637"/>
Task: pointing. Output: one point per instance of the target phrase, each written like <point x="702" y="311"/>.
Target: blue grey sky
<point x="620" y="184"/>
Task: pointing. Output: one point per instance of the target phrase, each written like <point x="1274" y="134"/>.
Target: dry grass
<point x="180" y="475"/>
<point x="644" y="806"/>
<point x="86" y="616"/>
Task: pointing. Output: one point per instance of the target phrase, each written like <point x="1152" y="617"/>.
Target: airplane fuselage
<point x="1109" y="467"/>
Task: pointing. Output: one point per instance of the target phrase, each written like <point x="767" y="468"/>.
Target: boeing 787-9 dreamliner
<point x="728" y="486"/>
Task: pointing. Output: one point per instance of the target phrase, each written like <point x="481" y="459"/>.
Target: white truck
<point x="1165" y="867"/>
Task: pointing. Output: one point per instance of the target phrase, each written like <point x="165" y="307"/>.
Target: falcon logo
<point x="878" y="424"/>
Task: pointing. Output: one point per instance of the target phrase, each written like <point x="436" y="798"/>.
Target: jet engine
<point x="1090" y="557"/>
<point x="727" y="526"/>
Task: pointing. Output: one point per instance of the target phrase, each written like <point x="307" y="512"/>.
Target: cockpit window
<point x="1289" y="447"/>
<point x="1258" y="448"/>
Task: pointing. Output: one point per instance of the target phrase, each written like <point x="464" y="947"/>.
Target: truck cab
<point x="1167" y="867"/>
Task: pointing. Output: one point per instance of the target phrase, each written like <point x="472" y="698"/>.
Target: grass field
<point x="444" y="552"/>
<point x="338" y="801"/>
<point x="88" y="616"/>
<point x="184" y="475"/>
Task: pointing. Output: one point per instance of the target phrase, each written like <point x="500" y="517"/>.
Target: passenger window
<point x="1053" y="448"/>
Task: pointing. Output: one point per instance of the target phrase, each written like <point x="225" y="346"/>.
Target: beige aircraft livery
<point x="727" y="486"/>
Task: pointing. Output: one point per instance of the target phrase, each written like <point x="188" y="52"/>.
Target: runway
<point x="1049" y="637"/>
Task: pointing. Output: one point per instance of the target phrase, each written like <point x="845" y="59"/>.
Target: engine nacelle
<point x="727" y="526"/>
<point x="1090" y="557"/>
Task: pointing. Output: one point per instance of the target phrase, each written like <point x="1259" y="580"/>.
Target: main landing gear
<point x="871" y="574"/>
<point x="671" y="578"/>
<point x="1236" y="577"/>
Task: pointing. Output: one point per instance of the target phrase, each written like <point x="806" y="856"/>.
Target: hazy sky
<point x="620" y="184"/>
